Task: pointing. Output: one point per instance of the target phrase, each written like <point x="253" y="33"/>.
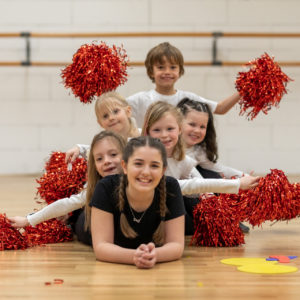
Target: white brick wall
<point x="38" y="115"/>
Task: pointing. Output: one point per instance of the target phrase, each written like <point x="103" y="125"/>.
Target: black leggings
<point x="82" y="235"/>
<point x="190" y="203"/>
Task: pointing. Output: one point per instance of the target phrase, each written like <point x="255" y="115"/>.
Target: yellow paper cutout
<point x="267" y="269"/>
<point x="240" y="261"/>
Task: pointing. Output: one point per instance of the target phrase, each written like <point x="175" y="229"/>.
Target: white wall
<point x="38" y="115"/>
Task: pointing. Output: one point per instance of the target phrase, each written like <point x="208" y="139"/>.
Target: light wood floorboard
<point x="198" y="275"/>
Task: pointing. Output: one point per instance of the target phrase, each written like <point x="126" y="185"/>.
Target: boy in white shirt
<point x="164" y="64"/>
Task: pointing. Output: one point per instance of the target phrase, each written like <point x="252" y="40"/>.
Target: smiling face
<point x="107" y="157"/>
<point x="115" y="118"/>
<point x="144" y="170"/>
<point x="167" y="130"/>
<point x="165" y="75"/>
<point x="194" y="127"/>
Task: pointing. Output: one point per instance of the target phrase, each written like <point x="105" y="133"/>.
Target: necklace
<point x="134" y="218"/>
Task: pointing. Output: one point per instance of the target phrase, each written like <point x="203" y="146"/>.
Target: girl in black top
<point x="138" y="217"/>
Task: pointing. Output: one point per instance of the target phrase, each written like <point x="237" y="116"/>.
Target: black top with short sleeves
<point x="105" y="197"/>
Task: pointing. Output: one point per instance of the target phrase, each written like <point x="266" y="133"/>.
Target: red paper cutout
<point x="281" y="258"/>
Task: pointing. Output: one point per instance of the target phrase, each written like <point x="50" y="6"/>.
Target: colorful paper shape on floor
<point x="240" y="261"/>
<point x="281" y="258"/>
<point x="272" y="258"/>
<point x="267" y="268"/>
<point x="292" y="256"/>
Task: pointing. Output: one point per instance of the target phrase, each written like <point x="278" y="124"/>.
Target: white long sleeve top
<point x="199" y="154"/>
<point x="192" y="183"/>
<point x="58" y="208"/>
<point x="139" y="102"/>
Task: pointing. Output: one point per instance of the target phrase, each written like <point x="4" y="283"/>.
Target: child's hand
<point x="145" y="256"/>
<point x="248" y="182"/>
<point x="151" y="255"/>
<point x="72" y="154"/>
<point x="137" y="256"/>
<point x="18" y="222"/>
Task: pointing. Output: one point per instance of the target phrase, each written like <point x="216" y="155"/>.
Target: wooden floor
<point x="198" y="275"/>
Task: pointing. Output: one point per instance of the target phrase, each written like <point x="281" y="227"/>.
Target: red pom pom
<point x="96" y="69"/>
<point x="48" y="232"/>
<point x="10" y="238"/>
<point x="58" y="182"/>
<point x="217" y="223"/>
<point x="261" y="87"/>
<point x="274" y="199"/>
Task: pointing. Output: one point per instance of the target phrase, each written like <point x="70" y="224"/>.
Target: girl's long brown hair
<point x="93" y="175"/>
<point x="132" y="145"/>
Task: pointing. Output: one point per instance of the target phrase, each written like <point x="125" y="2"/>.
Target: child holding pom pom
<point x="105" y="159"/>
<point x="164" y="121"/>
<point x="164" y="64"/>
<point x="142" y="221"/>
<point x="113" y="113"/>
<point x="199" y="137"/>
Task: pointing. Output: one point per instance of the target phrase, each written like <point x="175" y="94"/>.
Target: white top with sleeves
<point x="198" y="185"/>
<point x="192" y="183"/>
<point x="58" y="208"/>
<point x="198" y="153"/>
<point x="182" y="169"/>
<point x="139" y="102"/>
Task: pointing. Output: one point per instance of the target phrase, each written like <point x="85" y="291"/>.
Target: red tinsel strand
<point x="274" y="199"/>
<point x="95" y="69"/>
<point x="48" y="232"/>
<point x="10" y="238"/>
<point x="58" y="182"/>
<point x="296" y="188"/>
<point x="216" y="223"/>
<point x="261" y="87"/>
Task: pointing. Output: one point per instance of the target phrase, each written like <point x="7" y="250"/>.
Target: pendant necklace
<point x="137" y="220"/>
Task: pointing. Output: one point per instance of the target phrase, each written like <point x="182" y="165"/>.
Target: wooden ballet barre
<point x="153" y="34"/>
<point x="109" y="34"/>
<point x="215" y="36"/>
<point x="281" y="63"/>
<point x="3" y="34"/>
<point x="130" y="64"/>
<point x="139" y="63"/>
<point x="261" y="35"/>
<point x="10" y="63"/>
